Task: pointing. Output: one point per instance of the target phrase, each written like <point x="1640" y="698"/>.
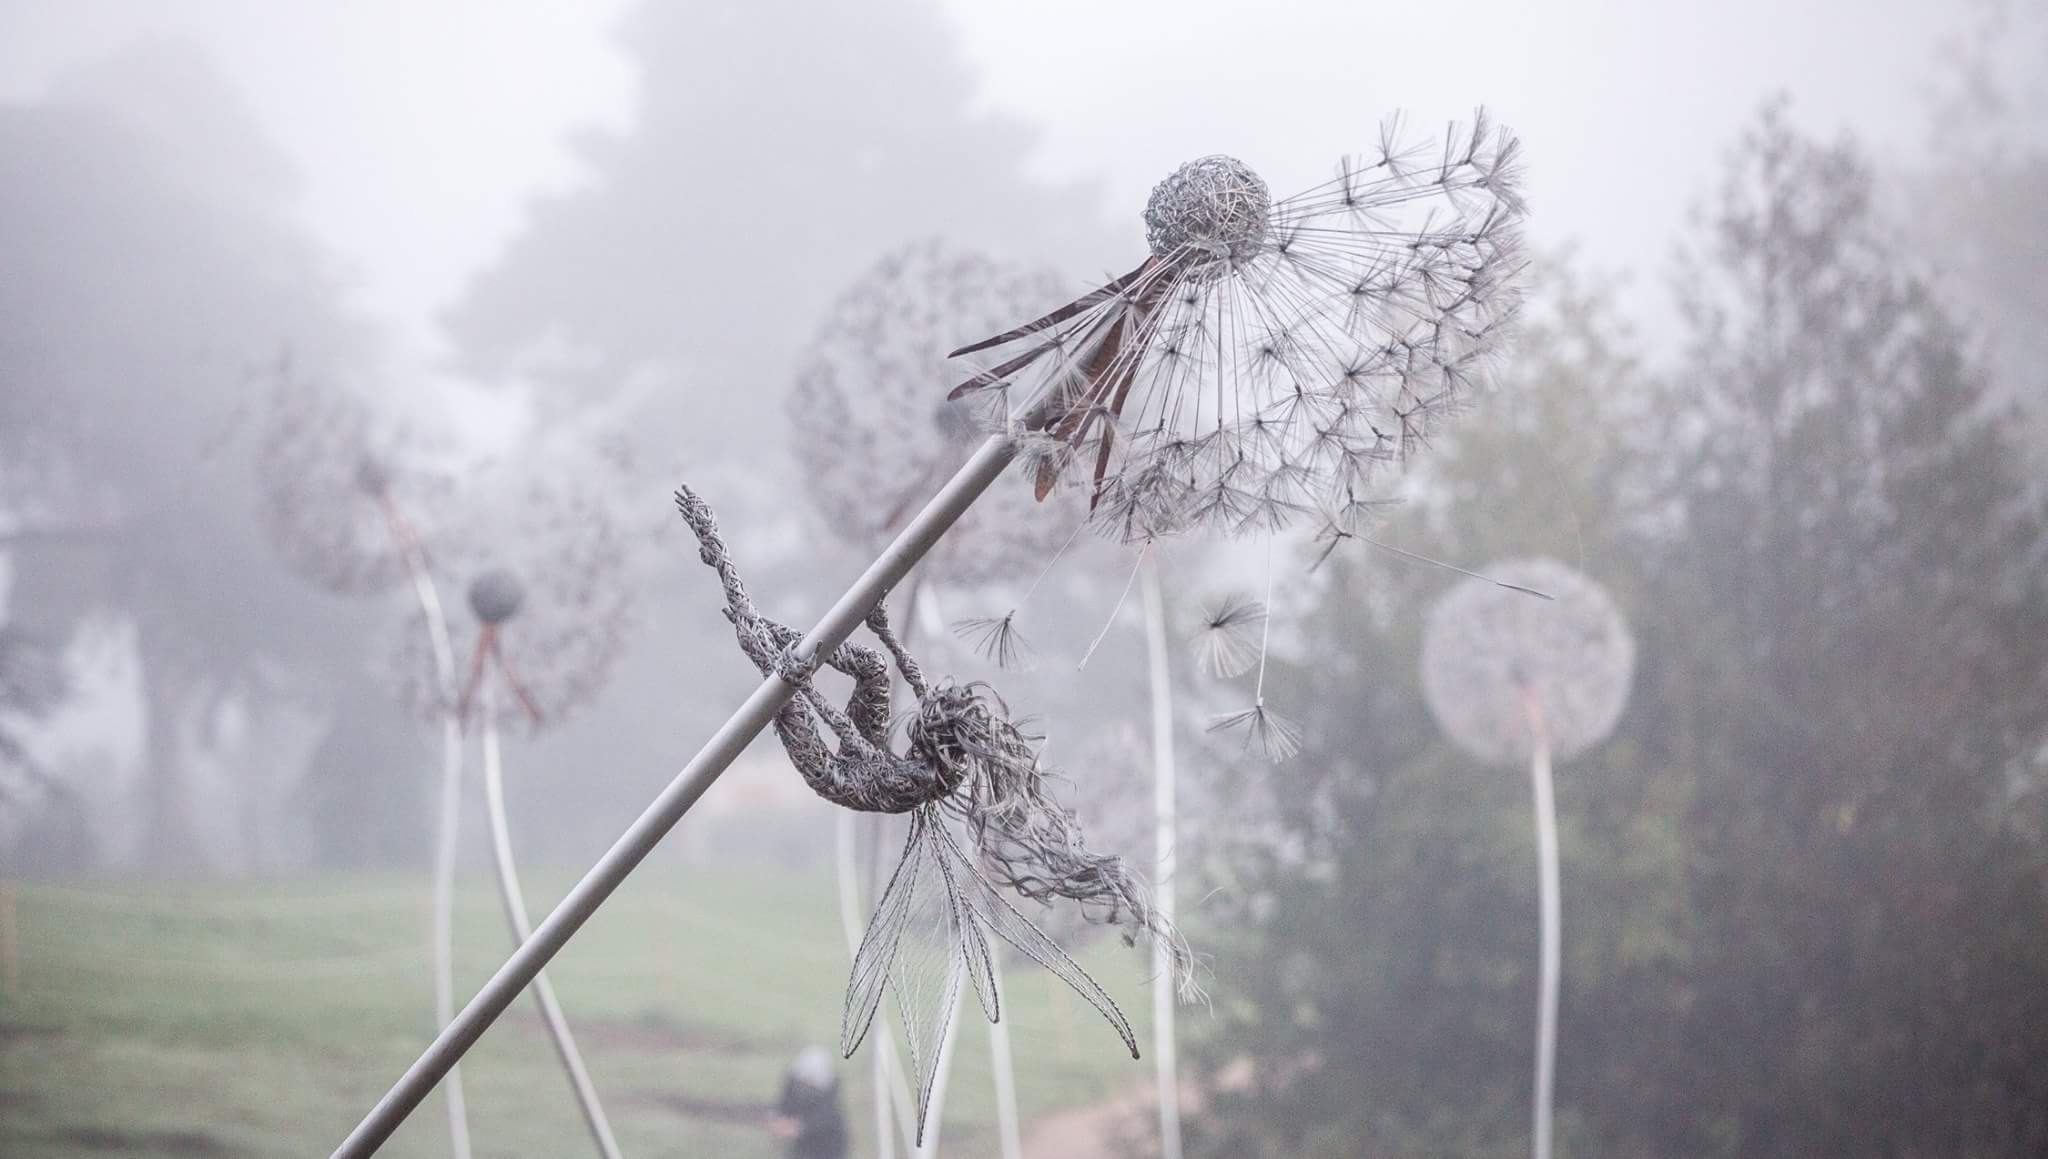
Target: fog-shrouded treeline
<point x="1806" y="881"/>
<point x="1806" y="884"/>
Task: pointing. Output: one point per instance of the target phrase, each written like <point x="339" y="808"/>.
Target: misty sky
<point x="420" y="128"/>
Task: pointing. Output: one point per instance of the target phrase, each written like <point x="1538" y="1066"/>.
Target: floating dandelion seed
<point x="1512" y="680"/>
<point x="966" y="762"/>
<point x="1225" y="645"/>
<point x="1276" y="736"/>
<point x="1269" y="356"/>
<point x="996" y="638"/>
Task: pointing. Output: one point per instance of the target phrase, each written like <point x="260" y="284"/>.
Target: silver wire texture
<point x="718" y="753"/>
<point x="870" y="439"/>
<point x="1269" y="357"/>
<point x="939" y="921"/>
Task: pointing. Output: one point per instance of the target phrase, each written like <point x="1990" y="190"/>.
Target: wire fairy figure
<point x="966" y="762"/>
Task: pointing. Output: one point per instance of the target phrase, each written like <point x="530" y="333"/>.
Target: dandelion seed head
<point x="1270" y="356"/>
<point x="495" y="596"/>
<point x="1488" y="651"/>
<point x="870" y="443"/>
<point x="1214" y="207"/>
<point x="549" y="567"/>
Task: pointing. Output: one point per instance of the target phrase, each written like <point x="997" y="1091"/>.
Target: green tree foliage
<point x="1806" y="910"/>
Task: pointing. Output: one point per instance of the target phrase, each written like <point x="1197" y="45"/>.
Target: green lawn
<point x="261" y="1019"/>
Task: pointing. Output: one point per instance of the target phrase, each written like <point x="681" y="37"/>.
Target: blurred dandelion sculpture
<point x="965" y="762"/>
<point x="1512" y="680"/>
<point x="340" y="502"/>
<point x="871" y="443"/>
<point x="551" y="604"/>
<point x="1256" y="369"/>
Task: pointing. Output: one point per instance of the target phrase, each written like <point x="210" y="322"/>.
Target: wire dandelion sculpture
<point x="341" y="502"/>
<point x="966" y="762"/>
<point x="871" y="442"/>
<point x="1512" y="680"/>
<point x="551" y="605"/>
<point x="1259" y="365"/>
<point x="1267" y="358"/>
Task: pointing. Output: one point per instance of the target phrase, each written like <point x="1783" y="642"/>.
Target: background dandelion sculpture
<point x="871" y="441"/>
<point x="1512" y="679"/>
<point x="1255" y="370"/>
<point x="549" y="601"/>
<point x="342" y="505"/>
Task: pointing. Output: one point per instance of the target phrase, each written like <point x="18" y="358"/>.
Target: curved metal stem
<point x="611" y="870"/>
<point x="1165" y="836"/>
<point x="522" y="929"/>
<point x="1552" y="960"/>
<point x="1004" y="1070"/>
<point x="448" y="831"/>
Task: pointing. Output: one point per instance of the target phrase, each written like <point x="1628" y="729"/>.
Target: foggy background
<point x="576" y="251"/>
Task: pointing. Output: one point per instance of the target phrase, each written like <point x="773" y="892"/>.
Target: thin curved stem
<point x="1165" y="836"/>
<point x="1552" y="961"/>
<point x="1004" y="1071"/>
<point x="747" y="722"/>
<point x="522" y="929"/>
<point x="448" y="830"/>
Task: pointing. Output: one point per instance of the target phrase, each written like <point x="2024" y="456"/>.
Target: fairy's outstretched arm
<point x="863" y="728"/>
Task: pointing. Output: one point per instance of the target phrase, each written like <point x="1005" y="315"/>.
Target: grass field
<point x="262" y="1019"/>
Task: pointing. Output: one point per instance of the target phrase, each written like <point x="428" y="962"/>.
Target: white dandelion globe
<point x="1487" y="651"/>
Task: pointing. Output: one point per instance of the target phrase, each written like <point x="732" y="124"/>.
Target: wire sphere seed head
<point x="495" y="596"/>
<point x="870" y="440"/>
<point x="1488" y="653"/>
<point x="1214" y="207"/>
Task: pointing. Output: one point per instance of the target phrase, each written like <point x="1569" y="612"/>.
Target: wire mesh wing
<point x="914" y="950"/>
<point x="988" y="908"/>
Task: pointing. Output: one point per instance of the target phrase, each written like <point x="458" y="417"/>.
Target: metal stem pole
<point x="1165" y="838"/>
<point x="611" y="870"/>
<point x="515" y="917"/>
<point x="448" y="832"/>
<point x="1551" y="962"/>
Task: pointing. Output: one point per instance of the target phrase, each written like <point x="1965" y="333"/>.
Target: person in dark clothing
<point x="809" y="1115"/>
